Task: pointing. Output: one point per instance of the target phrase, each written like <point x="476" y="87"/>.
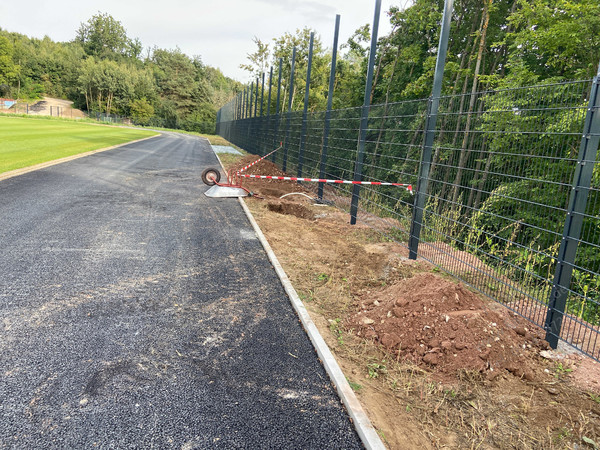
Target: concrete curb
<point x="361" y="422"/>
<point x="24" y="170"/>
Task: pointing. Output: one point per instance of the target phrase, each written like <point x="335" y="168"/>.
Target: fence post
<point x="305" y="112"/>
<point x="256" y="98"/>
<point x="277" y="113"/>
<point x="269" y="96"/>
<point x="430" y="124"/>
<point x="567" y="252"/>
<point x="251" y="99"/>
<point x="329" y="105"/>
<point x="244" y="103"/>
<point x="289" y="114"/>
<point x="262" y="94"/>
<point x="261" y="119"/>
<point x="364" y="118"/>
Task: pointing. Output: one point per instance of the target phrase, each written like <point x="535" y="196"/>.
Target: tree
<point x="9" y="71"/>
<point x="103" y="36"/>
<point x="319" y="73"/>
<point x="555" y="39"/>
<point x="141" y="111"/>
<point x="259" y="60"/>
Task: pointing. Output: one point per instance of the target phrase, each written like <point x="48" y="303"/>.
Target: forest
<point x="104" y="70"/>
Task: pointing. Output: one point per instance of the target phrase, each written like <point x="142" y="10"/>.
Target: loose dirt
<point x="434" y="364"/>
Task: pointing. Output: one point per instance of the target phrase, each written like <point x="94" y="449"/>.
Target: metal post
<point x="256" y="98"/>
<point x="269" y="96"/>
<point x="279" y="86"/>
<point x="261" y="119"/>
<point x="262" y="94"/>
<point x="364" y="119"/>
<point x="567" y="252"/>
<point x="329" y="106"/>
<point x="244" y="103"/>
<point x="289" y="114"/>
<point x="251" y="99"/>
<point x="277" y="112"/>
<point x="433" y="108"/>
<point x="305" y="112"/>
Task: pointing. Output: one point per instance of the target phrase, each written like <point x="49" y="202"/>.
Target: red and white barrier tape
<point x="259" y="159"/>
<point x="408" y="187"/>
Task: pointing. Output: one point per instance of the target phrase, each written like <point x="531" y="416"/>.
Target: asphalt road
<point x="137" y="313"/>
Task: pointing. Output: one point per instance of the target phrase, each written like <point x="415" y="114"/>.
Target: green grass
<point x="25" y="142"/>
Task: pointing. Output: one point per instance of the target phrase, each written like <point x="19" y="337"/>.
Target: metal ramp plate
<point x="225" y="192"/>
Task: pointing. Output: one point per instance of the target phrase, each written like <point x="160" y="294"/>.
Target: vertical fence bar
<point x="432" y="113"/>
<point x="364" y="119"/>
<point x="289" y="114"/>
<point x="251" y="99"/>
<point x="278" y="119"/>
<point x="323" y="162"/>
<point x="269" y="96"/>
<point x="305" y="112"/>
<point x="262" y="94"/>
<point x="260" y="120"/>
<point x="582" y="180"/>
<point x="256" y="98"/>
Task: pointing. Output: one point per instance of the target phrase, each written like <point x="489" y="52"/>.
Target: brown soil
<point x="434" y="364"/>
<point x="435" y="322"/>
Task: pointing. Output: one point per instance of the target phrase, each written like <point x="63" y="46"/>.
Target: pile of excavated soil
<point x="440" y="324"/>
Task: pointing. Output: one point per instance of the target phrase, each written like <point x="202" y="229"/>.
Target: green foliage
<point x="101" y="70"/>
<point x="104" y="37"/>
<point x="141" y="111"/>
<point x="8" y="69"/>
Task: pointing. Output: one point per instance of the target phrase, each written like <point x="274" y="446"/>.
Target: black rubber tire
<point x="211" y="176"/>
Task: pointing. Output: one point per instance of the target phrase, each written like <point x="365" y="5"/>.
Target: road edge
<point x="367" y="433"/>
<point x="54" y="162"/>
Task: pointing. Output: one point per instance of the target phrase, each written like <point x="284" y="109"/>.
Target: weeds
<point x="334" y="327"/>
<point x="560" y="371"/>
<point x="376" y="369"/>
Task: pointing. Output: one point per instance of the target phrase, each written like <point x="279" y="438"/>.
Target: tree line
<point x="104" y="70"/>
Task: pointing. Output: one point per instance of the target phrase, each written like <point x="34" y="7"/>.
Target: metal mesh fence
<point x="507" y="208"/>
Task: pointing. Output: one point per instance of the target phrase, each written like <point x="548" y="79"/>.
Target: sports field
<point x="25" y="142"/>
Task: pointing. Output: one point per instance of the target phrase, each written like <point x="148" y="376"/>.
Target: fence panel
<point x="499" y="186"/>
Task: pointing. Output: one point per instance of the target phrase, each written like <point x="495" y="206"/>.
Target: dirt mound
<point x="438" y="323"/>
<point x="293" y="209"/>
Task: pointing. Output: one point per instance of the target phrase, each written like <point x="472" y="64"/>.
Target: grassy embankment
<point x="25" y="142"/>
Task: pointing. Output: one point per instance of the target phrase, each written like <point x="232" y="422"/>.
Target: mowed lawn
<point x="25" y="142"/>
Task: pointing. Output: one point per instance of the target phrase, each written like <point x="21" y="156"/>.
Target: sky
<point x="219" y="31"/>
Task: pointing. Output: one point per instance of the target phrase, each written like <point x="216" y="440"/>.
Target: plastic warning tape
<point x="259" y="160"/>
<point x="408" y="187"/>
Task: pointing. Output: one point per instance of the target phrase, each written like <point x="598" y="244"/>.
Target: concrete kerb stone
<point x="24" y="170"/>
<point x="362" y="424"/>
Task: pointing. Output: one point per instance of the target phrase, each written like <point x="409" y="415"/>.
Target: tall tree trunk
<point x="386" y="107"/>
<point x="464" y="151"/>
<point x="463" y="96"/>
<point x="463" y="60"/>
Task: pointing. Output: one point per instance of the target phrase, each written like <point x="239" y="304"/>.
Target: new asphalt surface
<point x="137" y="313"/>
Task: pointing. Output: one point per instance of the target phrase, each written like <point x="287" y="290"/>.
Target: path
<point x="136" y="312"/>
